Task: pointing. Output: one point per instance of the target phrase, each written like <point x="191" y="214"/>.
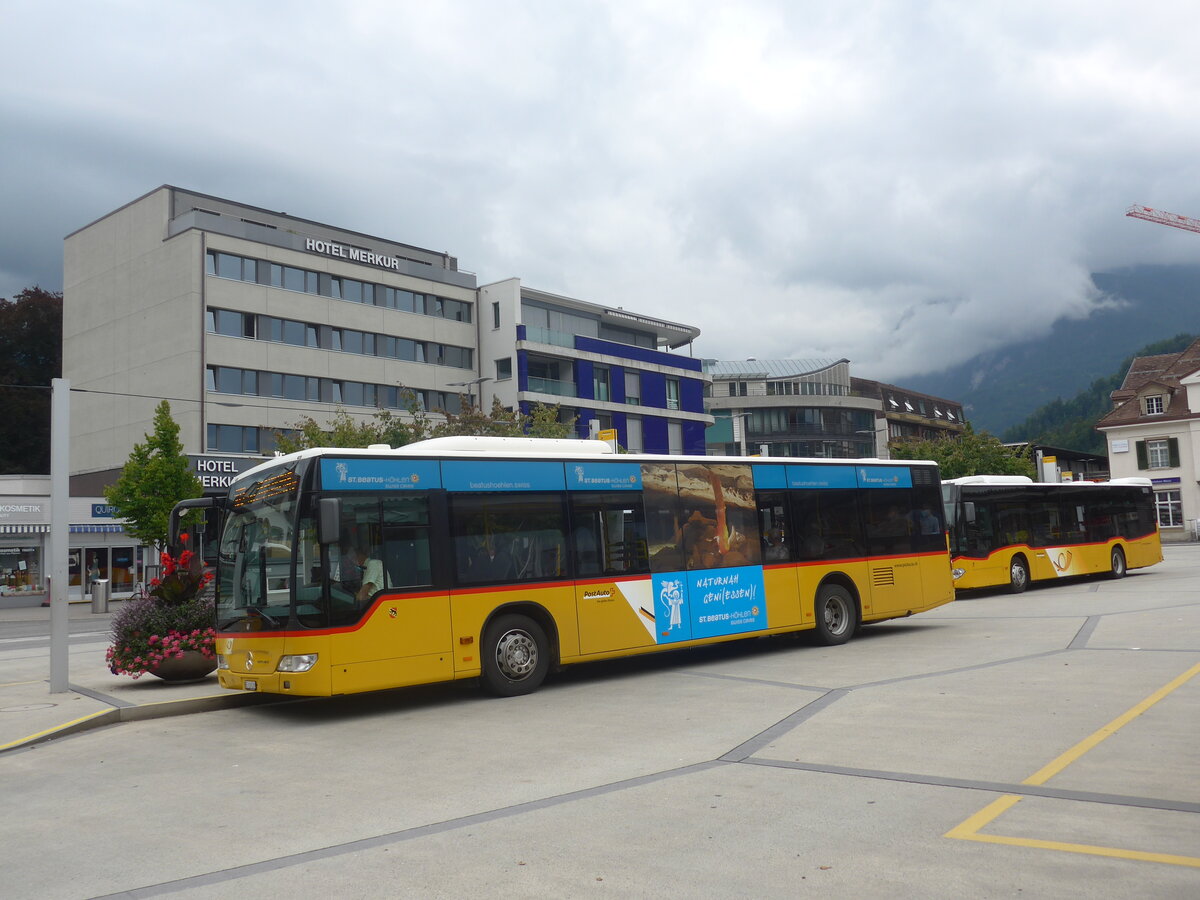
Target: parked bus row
<point x="340" y="571"/>
<point x="1009" y="531"/>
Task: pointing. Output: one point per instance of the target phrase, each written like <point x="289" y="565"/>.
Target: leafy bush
<point x="175" y="618"/>
<point x="144" y="633"/>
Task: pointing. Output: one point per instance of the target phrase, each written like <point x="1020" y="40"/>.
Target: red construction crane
<point x="1163" y="218"/>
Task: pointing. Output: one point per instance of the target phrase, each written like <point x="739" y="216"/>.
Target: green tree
<point x="387" y="428"/>
<point x="542" y="421"/>
<point x="968" y="454"/>
<point x="155" y="477"/>
<point x="30" y="356"/>
<point x="343" y="431"/>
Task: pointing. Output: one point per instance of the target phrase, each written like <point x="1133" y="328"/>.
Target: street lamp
<point x="469" y="384"/>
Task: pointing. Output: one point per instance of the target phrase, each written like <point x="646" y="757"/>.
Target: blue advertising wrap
<point x="583" y="476"/>
<point x="708" y="603"/>
<point x="768" y="478"/>
<point x="379" y="474"/>
<point x="884" y="477"/>
<point x="502" y="475"/>
<point x="821" y="477"/>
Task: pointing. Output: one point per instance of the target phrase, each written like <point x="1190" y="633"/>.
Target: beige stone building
<point x="1153" y="431"/>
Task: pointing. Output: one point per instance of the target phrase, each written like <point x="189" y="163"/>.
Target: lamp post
<point x="471" y="384"/>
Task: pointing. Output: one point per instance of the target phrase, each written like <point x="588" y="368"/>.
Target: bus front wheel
<point x="836" y="614"/>
<point x="1118" y="563"/>
<point x="1018" y="575"/>
<point x="516" y="656"/>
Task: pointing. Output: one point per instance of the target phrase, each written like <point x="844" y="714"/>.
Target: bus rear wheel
<point x="1118" y="563"/>
<point x="836" y="614"/>
<point x="1018" y="575"/>
<point x="516" y="656"/>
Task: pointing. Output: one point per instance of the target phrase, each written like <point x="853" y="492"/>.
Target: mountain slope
<point x="1002" y="387"/>
<point x="1071" y="424"/>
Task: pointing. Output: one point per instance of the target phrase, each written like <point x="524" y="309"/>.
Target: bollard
<point x="101" y="592"/>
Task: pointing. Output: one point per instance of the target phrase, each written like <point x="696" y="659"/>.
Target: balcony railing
<point x="546" y="336"/>
<point x="552" y="386"/>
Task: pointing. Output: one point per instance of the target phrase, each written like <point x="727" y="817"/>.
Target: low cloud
<point x="903" y="185"/>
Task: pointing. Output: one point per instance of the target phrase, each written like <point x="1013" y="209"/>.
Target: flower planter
<point x="192" y="666"/>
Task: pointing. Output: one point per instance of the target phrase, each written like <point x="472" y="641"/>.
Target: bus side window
<point x="503" y="538"/>
<point x="608" y="534"/>
<point x="773" y="526"/>
<point x="406" y="542"/>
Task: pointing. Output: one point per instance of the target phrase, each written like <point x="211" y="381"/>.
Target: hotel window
<point x="495" y="315"/>
<point x="504" y="368"/>
<point x="1154" y="405"/>
<point x="233" y="438"/>
<point x="226" y="265"/>
<point x="224" y="321"/>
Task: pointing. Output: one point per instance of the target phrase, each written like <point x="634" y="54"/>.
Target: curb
<point x="141" y="712"/>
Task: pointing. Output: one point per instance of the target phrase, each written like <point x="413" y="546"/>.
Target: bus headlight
<point x="958" y="573"/>
<point x="301" y="662"/>
<point x="222" y="662"/>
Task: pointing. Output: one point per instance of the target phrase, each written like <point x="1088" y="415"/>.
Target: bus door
<point x="895" y="525"/>
<point x="382" y="593"/>
<point x="613" y="591"/>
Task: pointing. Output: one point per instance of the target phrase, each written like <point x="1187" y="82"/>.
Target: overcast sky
<point x="901" y="183"/>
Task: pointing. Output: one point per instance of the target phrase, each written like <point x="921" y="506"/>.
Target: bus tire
<point x="1118" y="563"/>
<point x="836" y="615"/>
<point x="516" y="656"/>
<point x="1018" y="575"/>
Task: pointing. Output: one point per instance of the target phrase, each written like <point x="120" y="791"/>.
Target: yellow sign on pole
<point x="609" y="436"/>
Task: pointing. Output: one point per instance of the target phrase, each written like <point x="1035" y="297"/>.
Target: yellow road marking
<point x="1089" y="849"/>
<point x="968" y="830"/>
<point x="20" y="683"/>
<point x="54" y="730"/>
<point x="1051" y="769"/>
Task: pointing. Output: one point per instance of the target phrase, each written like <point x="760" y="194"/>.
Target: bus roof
<point x="1022" y="479"/>
<point x="547" y="448"/>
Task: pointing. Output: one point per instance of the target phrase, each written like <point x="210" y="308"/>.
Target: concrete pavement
<point x="31" y="713"/>
<point x="1042" y="745"/>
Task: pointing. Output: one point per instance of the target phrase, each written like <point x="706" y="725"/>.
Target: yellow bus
<point x="503" y="559"/>
<point x="1007" y="530"/>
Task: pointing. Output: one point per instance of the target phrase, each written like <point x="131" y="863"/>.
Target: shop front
<point x="98" y="547"/>
<point x="24" y="528"/>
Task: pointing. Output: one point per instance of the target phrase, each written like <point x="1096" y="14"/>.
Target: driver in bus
<point x="370" y="570"/>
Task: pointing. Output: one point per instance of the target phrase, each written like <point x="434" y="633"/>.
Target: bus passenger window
<point x="507" y="537"/>
<point x="772" y="524"/>
<point x="608" y="534"/>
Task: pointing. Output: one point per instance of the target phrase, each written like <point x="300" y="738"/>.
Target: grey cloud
<point x="902" y="184"/>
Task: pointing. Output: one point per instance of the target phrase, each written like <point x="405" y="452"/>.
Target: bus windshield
<point x="255" y="559"/>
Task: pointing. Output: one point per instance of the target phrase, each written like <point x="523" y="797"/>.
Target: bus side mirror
<point x="329" y="519"/>
<point x="177" y="512"/>
<point x="969" y="512"/>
